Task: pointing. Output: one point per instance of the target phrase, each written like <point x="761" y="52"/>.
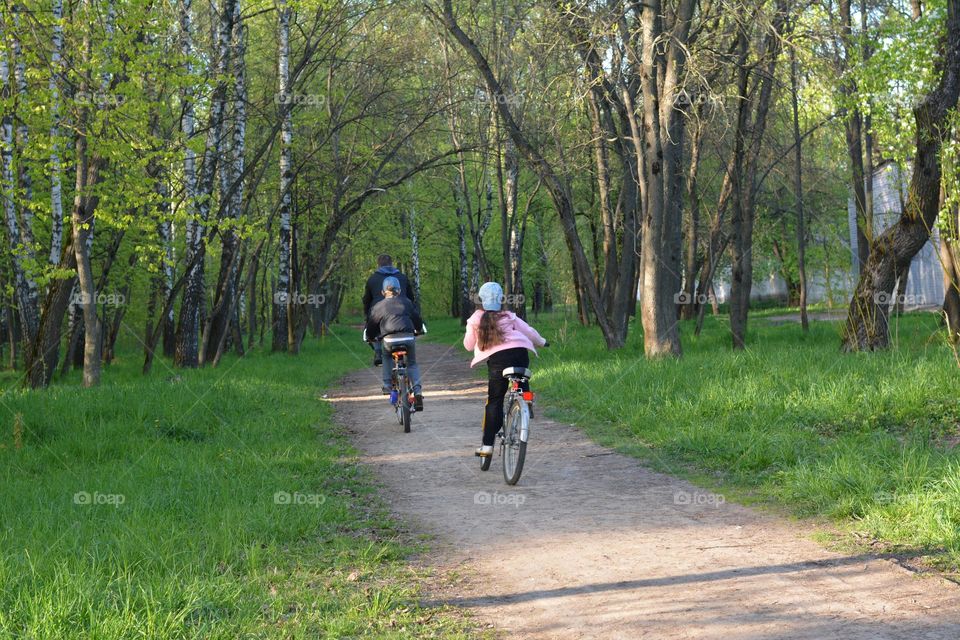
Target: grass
<point x="864" y="439"/>
<point x="218" y="503"/>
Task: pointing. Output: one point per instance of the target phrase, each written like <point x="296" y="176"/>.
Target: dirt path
<point x="591" y="544"/>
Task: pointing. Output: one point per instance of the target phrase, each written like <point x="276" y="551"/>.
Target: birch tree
<point x="282" y="333"/>
<point x="23" y="135"/>
<point x="191" y="307"/>
<point x="56" y="191"/>
<point x="231" y="188"/>
<point x="25" y="287"/>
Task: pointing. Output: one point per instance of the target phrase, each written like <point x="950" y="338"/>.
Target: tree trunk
<point x="853" y="128"/>
<point x="165" y="232"/>
<point x="414" y="254"/>
<point x="187" y="336"/>
<point x="866" y="52"/>
<point x="25" y="288"/>
<point x="82" y="217"/>
<point x="56" y="192"/>
<point x="867" y="326"/>
<point x="191" y="307"/>
<point x="10" y="326"/>
<point x="517" y="235"/>
<point x="23" y="136"/>
<point x="231" y="172"/>
<point x="693" y="262"/>
<point x="507" y="196"/>
<point x="798" y="192"/>
<point x="951" y="284"/>
<point x="465" y="305"/>
<point x="661" y="176"/>
<point x="44" y="352"/>
<point x="542" y="299"/>
<point x="751" y="124"/>
<point x="282" y="304"/>
<point x="601" y="161"/>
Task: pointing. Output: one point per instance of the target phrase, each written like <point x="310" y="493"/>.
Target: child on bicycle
<point x="502" y="340"/>
<point x="396" y="314"/>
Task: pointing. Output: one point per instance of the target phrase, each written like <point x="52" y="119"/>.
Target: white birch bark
<point x="56" y="191"/>
<point x="23" y="135"/>
<point x="188" y="126"/>
<point x="240" y="106"/>
<point x="24" y="286"/>
<point x="282" y="302"/>
<point x="415" y="254"/>
<point x="188" y="333"/>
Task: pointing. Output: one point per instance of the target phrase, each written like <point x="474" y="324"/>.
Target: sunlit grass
<point x="149" y="508"/>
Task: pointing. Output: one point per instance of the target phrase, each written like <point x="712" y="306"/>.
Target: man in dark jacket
<point x="373" y="293"/>
<point x="396" y="314"/>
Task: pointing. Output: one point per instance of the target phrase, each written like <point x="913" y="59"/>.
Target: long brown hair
<point x="489" y="334"/>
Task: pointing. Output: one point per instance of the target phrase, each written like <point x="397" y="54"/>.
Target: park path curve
<point x="591" y="544"/>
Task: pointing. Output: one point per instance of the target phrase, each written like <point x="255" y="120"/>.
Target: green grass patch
<point x="865" y="439"/>
<point x="217" y="503"/>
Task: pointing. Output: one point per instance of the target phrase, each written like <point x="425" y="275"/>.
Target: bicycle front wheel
<point x="514" y="449"/>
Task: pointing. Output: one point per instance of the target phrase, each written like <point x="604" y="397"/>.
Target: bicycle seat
<point x="517" y="372"/>
<point x="397" y="341"/>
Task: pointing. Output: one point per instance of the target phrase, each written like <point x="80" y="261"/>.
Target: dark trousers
<point x="497" y="388"/>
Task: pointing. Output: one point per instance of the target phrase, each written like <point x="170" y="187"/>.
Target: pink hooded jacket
<point x="516" y="333"/>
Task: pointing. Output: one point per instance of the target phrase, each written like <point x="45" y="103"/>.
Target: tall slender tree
<point x="188" y="352"/>
<point x="56" y="190"/>
<point x="282" y="303"/>
<point x="25" y="287"/>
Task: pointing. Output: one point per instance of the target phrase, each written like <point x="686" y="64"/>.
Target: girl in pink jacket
<point x="503" y="340"/>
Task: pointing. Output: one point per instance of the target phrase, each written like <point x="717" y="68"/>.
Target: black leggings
<point x="497" y="388"/>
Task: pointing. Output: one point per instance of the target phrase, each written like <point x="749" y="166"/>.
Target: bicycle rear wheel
<point x="403" y="403"/>
<point x="514" y="449"/>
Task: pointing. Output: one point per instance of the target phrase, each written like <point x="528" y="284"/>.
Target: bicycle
<point x="517" y="413"/>
<point x="401" y="394"/>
